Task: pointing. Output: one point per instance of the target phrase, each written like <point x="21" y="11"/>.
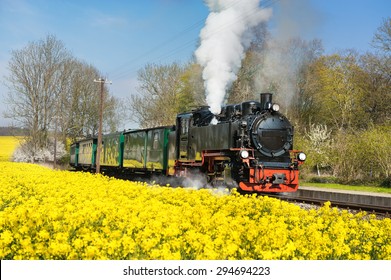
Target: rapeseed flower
<point x="46" y="214"/>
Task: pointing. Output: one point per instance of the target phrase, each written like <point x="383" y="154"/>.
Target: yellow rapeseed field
<point x="47" y="214"/>
<point x="7" y="147"/>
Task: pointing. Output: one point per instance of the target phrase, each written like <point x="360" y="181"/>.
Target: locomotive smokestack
<point x="266" y="100"/>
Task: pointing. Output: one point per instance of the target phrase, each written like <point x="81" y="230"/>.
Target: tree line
<point x="340" y="103"/>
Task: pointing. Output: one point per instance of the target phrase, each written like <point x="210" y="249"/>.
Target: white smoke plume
<point x="224" y="39"/>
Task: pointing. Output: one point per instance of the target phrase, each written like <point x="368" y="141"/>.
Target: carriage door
<point x="183" y="123"/>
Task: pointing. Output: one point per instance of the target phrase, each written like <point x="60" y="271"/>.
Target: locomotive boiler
<point x="248" y="146"/>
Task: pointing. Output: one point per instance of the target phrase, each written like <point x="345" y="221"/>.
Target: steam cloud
<point x="285" y="54"/>
<point x="224" y="39"/>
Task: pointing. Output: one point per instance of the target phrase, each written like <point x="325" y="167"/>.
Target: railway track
<point x="315" y="196"/>
<point x="379" y="210"/>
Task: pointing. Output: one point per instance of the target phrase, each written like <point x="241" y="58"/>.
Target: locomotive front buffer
<point x="268" y="177"/>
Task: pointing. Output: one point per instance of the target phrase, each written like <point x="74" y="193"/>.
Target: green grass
<point x="348" y="187"/>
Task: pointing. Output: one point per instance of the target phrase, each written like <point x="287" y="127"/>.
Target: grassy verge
<point x="347" y="187"/>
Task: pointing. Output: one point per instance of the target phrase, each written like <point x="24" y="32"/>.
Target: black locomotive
<point x="248" y="146"/>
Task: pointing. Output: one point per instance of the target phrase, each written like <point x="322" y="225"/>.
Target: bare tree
<point x="382" y="38"/>
<point x="51" y="91"/>
<point x="35" y="74"/>
<point x="376" y="84"/>
<point x="79" y="103"/>
<point x="164" y="91"/>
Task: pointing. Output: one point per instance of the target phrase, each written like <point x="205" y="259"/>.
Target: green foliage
<point x="386" y="183"/>
<point x="337" y="95"/>
<point x="361" y="156"/>
<point x="191" y="90"/>
<point x="64" y="160"/>
<point x="351" y="95"/>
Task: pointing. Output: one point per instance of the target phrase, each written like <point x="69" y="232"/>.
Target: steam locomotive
<point x="249" y="147"/>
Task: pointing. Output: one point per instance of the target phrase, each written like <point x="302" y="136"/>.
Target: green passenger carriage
<point x="132" y="151"/>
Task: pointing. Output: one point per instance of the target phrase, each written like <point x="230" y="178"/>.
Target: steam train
<point x="250" y="148"/>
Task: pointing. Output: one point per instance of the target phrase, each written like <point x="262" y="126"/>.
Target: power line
<point x="170" y="40"/>
<point x="124" y="73"/>
<point x="159" y="46"/>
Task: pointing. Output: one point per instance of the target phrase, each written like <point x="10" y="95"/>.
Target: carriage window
<point x="155" y="140"/>
<point x="184" y="125"/>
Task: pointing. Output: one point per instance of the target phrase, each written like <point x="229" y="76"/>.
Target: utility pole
<point x="58" y="103"/>
<point x="55" y="144"/>
<point x="102" y="83"/>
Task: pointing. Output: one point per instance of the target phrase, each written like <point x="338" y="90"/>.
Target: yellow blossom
<point x="48" y="214"/>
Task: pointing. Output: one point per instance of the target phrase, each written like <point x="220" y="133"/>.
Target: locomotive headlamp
<point x="275" y="107"/>
<point x="244" y="154"/>
<point x="301" y="156"/>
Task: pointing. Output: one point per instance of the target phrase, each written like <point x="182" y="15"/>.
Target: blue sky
<point x="120" y="37"/>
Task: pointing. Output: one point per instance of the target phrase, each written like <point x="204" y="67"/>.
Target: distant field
<point x="7" y="146"/>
